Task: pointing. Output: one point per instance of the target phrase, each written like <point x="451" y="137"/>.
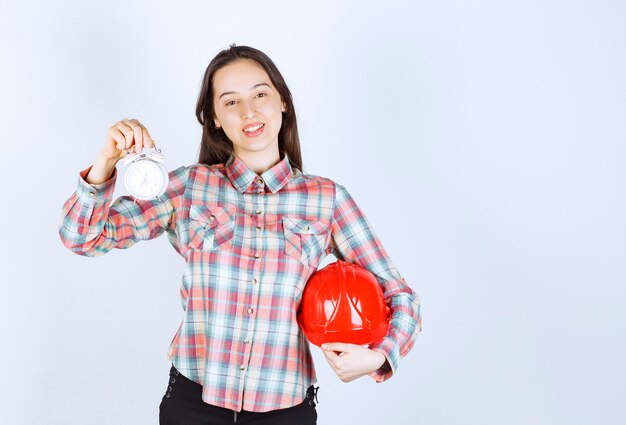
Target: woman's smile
<point x="254" y="129"/>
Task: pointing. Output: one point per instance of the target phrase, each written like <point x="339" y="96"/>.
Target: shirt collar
<point x="243" y="177"/>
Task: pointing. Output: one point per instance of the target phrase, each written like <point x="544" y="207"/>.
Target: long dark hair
<point x="216" y="147"/>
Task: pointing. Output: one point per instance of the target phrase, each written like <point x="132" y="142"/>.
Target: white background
<point x="484" y="140"/>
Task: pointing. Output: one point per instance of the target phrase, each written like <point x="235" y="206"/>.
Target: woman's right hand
<point x="122" y="137"/>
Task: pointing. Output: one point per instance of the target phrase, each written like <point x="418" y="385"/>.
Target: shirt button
<point x="259" y="191"/>
<point x="258" y="211"/>
<point x="212" y="217"/>
<point x="307" y="228"/>
<point x="259" y="228"/>
<point x="250" y="311"/>
<point x="257" y="255"/>
<point x="242" y="367"/>
<point x="254" y="280"/>
<point x="246" y="340"/>
<point x="92" y="194"/>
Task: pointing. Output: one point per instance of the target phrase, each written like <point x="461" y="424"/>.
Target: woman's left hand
<point x="351" y="361"/>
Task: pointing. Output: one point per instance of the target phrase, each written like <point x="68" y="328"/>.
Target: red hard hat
<point x="343" y="302"/>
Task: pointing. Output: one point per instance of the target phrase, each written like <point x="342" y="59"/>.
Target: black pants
<point x="182" y="404"/>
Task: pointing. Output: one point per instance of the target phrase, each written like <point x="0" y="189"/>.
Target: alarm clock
<point x="146" y="176"/>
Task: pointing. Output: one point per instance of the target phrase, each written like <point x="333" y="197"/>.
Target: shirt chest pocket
<point x="305" y="240"/>
<point x="211" y="226"/>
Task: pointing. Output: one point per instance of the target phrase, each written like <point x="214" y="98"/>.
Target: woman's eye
<point x="230" y="102"/>
<point x="264" y="94"/>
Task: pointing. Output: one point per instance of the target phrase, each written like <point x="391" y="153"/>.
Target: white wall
<point x="485" y="140"/>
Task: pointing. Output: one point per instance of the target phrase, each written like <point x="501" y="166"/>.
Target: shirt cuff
<point x="87" y="192"/>
<point x="392" y="356"/>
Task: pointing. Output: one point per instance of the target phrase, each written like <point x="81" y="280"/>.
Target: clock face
<point x="144" y="179"/>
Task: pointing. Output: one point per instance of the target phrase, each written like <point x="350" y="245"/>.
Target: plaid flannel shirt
<point x="250" y="243"/>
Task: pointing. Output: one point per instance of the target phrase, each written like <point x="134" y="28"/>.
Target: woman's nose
<point x="247" y="109"/>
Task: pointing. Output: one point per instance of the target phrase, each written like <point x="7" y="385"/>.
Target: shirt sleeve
<point x="353" y="239"/>
<point x="91" y="225"/>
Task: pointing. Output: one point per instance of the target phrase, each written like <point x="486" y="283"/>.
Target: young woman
<point x="252" y="228"/>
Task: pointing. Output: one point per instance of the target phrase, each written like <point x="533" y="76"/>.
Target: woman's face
<point x="244" y="98"/>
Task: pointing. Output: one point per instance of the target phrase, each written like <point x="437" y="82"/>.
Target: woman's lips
<point x="255" y="133"/>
